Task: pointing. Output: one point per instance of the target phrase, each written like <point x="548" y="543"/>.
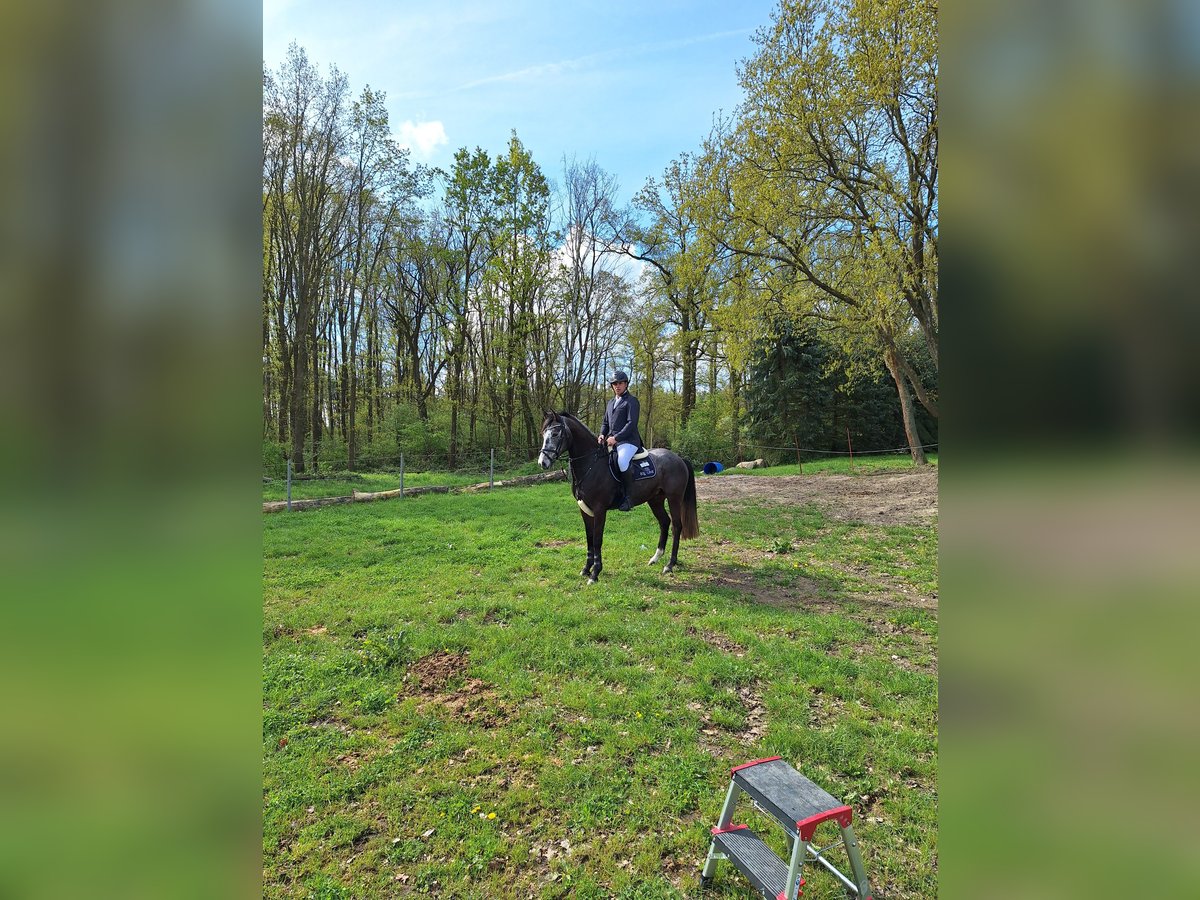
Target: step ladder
<point x="799" y="806"/>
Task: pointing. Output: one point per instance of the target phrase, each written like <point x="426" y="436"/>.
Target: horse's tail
<point x="691" y="524"/>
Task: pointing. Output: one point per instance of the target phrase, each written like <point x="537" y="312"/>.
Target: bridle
<point x="557" y="451"/>
<point x="557" y="447"/>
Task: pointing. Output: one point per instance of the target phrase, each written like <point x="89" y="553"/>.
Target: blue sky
<point x="632" y="85"/>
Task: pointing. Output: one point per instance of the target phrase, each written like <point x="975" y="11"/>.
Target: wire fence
<point x="379" y="475"/>
<point x="386" y="476"/>
<point x="790" y="449"/>
<point x="509" y="458"/>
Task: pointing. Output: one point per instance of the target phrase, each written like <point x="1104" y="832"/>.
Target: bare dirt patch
<point x="351" y="760"/>
<point x="719" y="641"/>
<point x="756" y="721"/>
<point x="802" y="593"/>
<point x="756" y="714"/>
<point x="433" y="671"/>
<point x="474" y="701"/>
<point x="885" y="589"/>
<point x="909" y="649"/>
<point x="890" y="498"/>
<point x="825" y="710"/>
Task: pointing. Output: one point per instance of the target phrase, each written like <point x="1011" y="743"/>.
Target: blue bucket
<point x="712" y="468"/>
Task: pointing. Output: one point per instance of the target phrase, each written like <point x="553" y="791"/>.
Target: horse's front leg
<point x="588" y="523"/>
<point x="597" y="544"/>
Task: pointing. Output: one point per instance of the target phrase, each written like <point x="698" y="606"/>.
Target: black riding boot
<point x="627" y="480"/>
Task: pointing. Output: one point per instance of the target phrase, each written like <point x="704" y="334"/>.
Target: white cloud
<point x="422" y="138"/>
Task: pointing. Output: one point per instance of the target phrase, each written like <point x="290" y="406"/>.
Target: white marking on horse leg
<point x="656" y="557"/>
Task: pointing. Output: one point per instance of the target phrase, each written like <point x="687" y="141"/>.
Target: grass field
<point x="450" y="710"/>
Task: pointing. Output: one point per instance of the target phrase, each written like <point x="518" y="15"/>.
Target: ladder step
<point x="790" y="798"/>
<point x="754" y="859"/>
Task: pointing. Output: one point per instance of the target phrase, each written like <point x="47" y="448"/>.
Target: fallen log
<point x="368" y="496"/>
<point x="282" y="505"/>
<point x="560" y="475"/>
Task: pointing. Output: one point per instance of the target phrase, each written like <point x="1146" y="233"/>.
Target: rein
<point x="577" y="476"/>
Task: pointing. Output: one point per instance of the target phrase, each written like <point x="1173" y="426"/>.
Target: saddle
<point x="641" y="464"/>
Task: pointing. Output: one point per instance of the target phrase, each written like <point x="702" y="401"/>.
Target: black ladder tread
<point x="754" y="859"/>
<point x="783" y="792"/>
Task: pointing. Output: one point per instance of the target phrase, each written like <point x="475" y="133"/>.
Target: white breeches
<point x="624" y="455"/>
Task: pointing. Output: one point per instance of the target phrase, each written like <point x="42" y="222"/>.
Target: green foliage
<point x="790" y="391"/>
<point x="274" y="459"/>
<point x="703" y="438"/>
<point x="804" y="389"/>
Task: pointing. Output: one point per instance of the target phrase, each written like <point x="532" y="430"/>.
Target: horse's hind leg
<point x="676" y="527"/>
<point x="587" y="527"/>
<point x="664" y="525"/>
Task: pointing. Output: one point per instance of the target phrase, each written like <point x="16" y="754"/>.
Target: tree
<point x="381" y="185"/>
<point x="683" y="261"/>
<point x="467" y="204"/>
<point x="304" y="138"/>
<point x="789" y="393"/>
<point x="648" y="341"/>
<point x="590" y="292"/>
<point x="827" y="175"/>
<point x="520" y="246"/>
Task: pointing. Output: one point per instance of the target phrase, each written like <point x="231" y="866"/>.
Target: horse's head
<point x="556" y="439"/>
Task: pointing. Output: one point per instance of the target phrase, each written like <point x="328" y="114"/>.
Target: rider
<point x="620" y="430"/>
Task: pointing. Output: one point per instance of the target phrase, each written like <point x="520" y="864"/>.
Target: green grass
<point x="605" y="717"/>
<point x="838" y="465"/>
<point x="341" y="484"/>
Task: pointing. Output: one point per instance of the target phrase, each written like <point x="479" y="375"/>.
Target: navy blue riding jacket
<point x="621" y="420"/>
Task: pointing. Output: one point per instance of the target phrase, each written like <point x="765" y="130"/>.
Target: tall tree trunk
<point x="370" y="379"/>
<point x="352" y="417"/>
<point x="299" y="392"/>
<point x="735" y="391"/>
<point x="316" y="400"/>
<point x="649" y="434"/>
<point x="285" y="366"/>
<point x="687" y="401"/>
<point x="891" y="359"/>
<point x="266" y="355"/>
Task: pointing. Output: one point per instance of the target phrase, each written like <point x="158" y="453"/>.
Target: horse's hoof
<point x="585" y="572"/>
<point x="591" y="581"/>
<point x="667" y="569"/>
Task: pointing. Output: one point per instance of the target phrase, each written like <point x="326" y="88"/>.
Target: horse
<point x="595" y="489"/>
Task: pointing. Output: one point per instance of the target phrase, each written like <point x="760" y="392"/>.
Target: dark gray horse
<point x="594" y="488"/>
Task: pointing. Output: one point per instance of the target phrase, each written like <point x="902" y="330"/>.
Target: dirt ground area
<point x="888" y="498"/>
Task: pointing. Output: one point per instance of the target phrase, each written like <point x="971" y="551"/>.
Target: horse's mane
<point x="563" y="414"/>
